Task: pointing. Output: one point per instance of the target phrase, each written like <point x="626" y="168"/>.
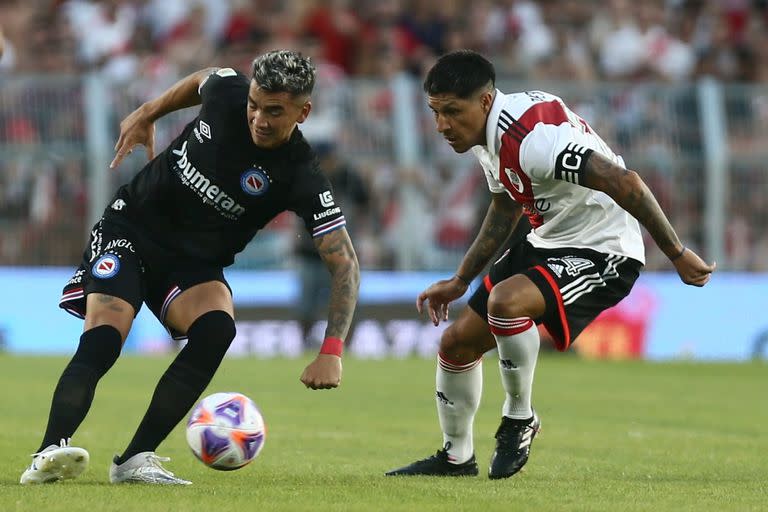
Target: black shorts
<point x="577" y="284"/>
<point x="120" y="262"/>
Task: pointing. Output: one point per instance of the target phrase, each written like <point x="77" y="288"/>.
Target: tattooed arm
<point x="339" y="256"/>
<point x="631" y="193"/>
<point x="337" y="252"/>
<point x="500" y="220"/>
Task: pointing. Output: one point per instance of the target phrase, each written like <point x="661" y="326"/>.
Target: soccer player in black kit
<point x="166" y="236"/>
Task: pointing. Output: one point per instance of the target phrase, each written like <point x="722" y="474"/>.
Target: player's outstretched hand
<point x="692" y="269"/>
<point x="438" y="296"/>
<point x="323" y="373"/>
<point x="135" y="129"/>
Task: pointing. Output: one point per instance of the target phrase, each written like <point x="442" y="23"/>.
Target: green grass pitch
<point x="617" y="436"/>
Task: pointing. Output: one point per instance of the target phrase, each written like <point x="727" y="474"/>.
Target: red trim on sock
<point x="454" y="367"/>
<point x="511" y="328"/>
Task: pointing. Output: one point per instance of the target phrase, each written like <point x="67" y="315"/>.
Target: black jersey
<point x="209" y="192"/>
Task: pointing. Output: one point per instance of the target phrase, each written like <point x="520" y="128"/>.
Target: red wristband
<point x="332" y="346"/>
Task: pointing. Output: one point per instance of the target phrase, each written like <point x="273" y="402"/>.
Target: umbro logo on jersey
<point x="106" y="266"/>
<point x="254" y="181"/>
<point x="205" y="130"/>
<point x="118" y="205"/>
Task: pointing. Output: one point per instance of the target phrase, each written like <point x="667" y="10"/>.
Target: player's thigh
<point x="467" y="338"/>
<point x="103" y="309"/>
<point x="196" y="301"/>
<point x="516" y="296"/>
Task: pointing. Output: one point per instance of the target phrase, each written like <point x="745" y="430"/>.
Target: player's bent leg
<point x="209" y="336"/>
<point x="56" y="462"/>
<point x="196" y="301"/>
<point x="459" y="387"/>
<point x="512" y="304"/>
<point x="107" y="322"/>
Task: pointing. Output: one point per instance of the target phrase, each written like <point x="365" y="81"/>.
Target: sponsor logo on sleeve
<point x="326" y="199"/>
<point x="327" y="213"/>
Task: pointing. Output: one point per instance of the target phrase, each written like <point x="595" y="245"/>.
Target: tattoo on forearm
<point x="642" y="205"/>
<point x="632" y="194"/>
<point x="496" y="228"/>
<point x="337" y="252"/>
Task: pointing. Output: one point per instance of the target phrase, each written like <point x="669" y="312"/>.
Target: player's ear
<point x="486" y="100"/>
<point x="305" y="110"/>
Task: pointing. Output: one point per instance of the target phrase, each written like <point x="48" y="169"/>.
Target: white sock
<point x="459" y="387"/>
<point x="517" y="340"/>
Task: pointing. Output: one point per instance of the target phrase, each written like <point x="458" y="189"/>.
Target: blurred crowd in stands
<point x="576" y="48"/>
<point x="545" y="39"/>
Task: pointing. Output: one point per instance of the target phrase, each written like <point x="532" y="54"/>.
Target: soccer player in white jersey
<point x="569" y="210"/>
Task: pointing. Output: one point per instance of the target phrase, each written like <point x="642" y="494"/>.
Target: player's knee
<point x="107" y="310"/>
<point x="212" y="332"/>
<point x="506" y="302"/>
<point x="457" y="347"/>
<point x="516" y="297"/>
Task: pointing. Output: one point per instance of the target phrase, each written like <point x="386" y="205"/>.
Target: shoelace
<point x="509" y="436"/>
<point x="63" y="443"/>
<point x="155" y="461"/>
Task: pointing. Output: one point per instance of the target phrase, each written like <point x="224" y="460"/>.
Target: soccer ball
<point x="226" y="431"/>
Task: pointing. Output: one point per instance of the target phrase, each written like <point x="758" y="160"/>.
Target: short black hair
<point x="461" y="72"/>
<point x="284" y="71"/>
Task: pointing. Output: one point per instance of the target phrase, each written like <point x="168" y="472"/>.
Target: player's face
<point x="461" y="121"/>
<point x="272" y="116"/>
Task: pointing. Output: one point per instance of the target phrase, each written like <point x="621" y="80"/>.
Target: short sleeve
<point x="219" y="81"/>
<point x="313" y="201"/>
<point x="494" y="185"/>
<point x="555" y="152"/>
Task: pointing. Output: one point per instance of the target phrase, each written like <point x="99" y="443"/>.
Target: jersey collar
<point x="492" y="123"/>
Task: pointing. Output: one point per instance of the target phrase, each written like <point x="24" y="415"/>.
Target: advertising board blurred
<point x="661" y="319"/>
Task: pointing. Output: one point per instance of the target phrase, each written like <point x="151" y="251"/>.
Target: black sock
<point x="98" y="350"/>
<point x="184" y="381"/>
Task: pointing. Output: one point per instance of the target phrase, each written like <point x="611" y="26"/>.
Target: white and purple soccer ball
<point x="226" y="431"/>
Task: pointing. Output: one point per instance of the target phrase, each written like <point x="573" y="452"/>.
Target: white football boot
<point x="56" y="463"/>
<point x="144" y="468"/>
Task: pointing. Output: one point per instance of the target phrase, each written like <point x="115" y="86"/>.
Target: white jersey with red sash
<point x="536" y="152"/>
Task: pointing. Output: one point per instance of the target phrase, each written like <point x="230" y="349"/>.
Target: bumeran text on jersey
<point x="211" y="194"/>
